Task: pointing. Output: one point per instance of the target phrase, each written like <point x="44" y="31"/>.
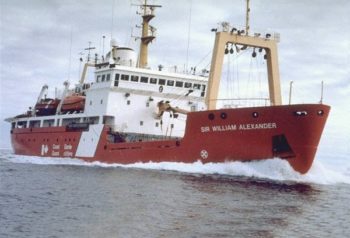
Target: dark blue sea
<point x="43" y="197"/>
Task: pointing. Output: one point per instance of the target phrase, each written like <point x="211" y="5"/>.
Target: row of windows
<point x="169" y="82"/>
<point x="103" y="78"/>
<point x="50" y="123"/>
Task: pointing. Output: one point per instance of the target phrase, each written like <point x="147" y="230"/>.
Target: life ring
<point x="160" y="89"/>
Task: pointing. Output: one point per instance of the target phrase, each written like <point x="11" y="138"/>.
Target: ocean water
<point x="47" y="197"/>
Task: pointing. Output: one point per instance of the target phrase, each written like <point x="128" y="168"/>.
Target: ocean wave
<point x="272" y="169"/>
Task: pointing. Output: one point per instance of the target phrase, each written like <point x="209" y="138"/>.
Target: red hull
<point x="288" y="132"/>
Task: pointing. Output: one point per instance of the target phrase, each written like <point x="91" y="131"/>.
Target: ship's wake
<point x="274" y="169"/>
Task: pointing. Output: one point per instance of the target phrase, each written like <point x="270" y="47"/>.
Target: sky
<point x="41" y="42"/>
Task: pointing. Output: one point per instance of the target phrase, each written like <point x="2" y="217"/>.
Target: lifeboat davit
<point x="73" y="103"/>
<point x="47" y="106"/>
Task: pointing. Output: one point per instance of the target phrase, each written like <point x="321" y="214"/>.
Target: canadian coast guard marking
<point x="89" y="140"/>
<point x="44" y="149"/>
<point x="235" y="127"/>
<point x="67" y="150"/>
<point x="204" y="154"/>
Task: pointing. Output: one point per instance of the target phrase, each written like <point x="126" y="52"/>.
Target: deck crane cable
<point x="129" y="38"/>
<point x="247" y="93"/>
<point x="234" y="84"/>
<point x="202" y="59"/>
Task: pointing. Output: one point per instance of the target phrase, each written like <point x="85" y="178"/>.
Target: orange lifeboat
<point x="73" y="103"/>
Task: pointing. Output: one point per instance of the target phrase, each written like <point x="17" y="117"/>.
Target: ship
<point x="131" y="113"/>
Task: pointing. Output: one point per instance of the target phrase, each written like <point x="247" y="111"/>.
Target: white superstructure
<point x="130" y="98"/>
<point x="126" y="95"/>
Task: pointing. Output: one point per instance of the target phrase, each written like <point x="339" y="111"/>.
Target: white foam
<point x="274" y="169"/>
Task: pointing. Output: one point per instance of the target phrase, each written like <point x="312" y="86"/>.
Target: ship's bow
<point x="303" y="133"/>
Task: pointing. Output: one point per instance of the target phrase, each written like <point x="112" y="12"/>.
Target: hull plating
<point x="289" y="132"/>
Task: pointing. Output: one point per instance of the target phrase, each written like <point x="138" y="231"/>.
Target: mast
<point x="148" y="32"/>
<point x="87" y="64"/>
<point x="236" y="37"/>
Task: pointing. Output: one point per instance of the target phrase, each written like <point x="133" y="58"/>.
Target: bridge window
<point x="116" y="80"/>
<point x="196" y="86"/>
<point x="170" y="83"/>
<point x="135" y="78"/>
<point x="98" y="78"/>
<point x="144" y="80"/>
<point x="153" y="81"/>
<point x="124" y="77"/>
<point x="179" y="84"/>
<point x="203" y="90"/>
<point x="103" y="78"/>
<point x="161" y="81"/>
<point x="108" y="77"/>
<point x="188" y="85"/>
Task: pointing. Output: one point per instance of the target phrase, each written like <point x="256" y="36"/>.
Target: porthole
<point x="223" y="115"/>
<point x="211" y="116"/>
<point x="320" y="112"/>
<point x="255" y="114"/>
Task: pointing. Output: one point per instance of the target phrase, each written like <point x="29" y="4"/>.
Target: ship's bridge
<point x="141" y="81"/>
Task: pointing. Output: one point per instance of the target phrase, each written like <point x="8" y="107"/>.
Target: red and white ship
<point x="131" y="113"/>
